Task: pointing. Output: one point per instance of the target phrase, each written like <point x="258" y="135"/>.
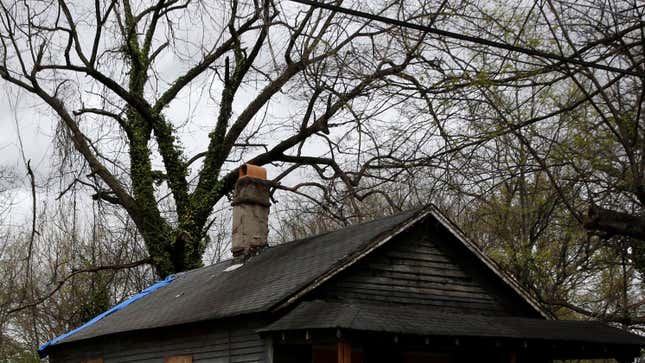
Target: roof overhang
<point x="595" y="336"/>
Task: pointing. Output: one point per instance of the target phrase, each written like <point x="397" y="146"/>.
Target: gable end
<point x="425" y="261"/>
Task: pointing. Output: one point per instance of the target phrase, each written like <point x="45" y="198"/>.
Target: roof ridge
<point x="348" y="226"/>
<point x="293" y="241"/>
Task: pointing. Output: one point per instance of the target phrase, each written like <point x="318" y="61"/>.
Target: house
<point x="406" y="288"/>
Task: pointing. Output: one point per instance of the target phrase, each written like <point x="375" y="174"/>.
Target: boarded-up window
<point x="179" y="359"/>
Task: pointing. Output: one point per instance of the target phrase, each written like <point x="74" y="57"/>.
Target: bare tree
<point x="100" y="70"/>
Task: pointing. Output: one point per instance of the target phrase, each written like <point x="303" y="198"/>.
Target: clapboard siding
<point x="424" y="266"/>
<point x="213" y="342"/>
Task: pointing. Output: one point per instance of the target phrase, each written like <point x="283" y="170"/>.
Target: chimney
<point x="250" y="211"/>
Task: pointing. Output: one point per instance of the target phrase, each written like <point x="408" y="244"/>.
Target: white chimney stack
<point x="251" y="203"/>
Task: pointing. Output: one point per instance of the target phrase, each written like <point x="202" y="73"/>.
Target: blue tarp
<point x="156" y="286"/>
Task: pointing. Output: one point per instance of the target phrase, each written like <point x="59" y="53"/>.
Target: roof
<point x="427" y="322"/>
<point x="263" y="282"/>
<point x="271" y="281"/>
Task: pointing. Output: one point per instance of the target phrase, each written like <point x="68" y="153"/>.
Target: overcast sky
<point x="22" y="116"/>
<point x="36" y="132"/>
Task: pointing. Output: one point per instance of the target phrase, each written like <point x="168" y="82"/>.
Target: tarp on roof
<point x="121" y="306"/>
<point x="426" y="322"/>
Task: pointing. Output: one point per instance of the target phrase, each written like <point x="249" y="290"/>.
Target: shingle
<point x="263" y="281"/>
<point x="426" y="322"/>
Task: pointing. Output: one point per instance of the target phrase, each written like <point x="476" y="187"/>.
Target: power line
<point x="468" y="38"/>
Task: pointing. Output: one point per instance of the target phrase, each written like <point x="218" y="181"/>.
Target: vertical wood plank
<point x="268" y="348"/>
<point x="344" y="352"/>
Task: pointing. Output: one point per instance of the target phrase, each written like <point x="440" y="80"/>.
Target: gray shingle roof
<point x="261" y="283"/>
<point x="426" y="322"/>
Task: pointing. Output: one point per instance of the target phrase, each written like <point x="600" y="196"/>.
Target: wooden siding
<point x="425" y="267"/>
<point x="213" y="342"/>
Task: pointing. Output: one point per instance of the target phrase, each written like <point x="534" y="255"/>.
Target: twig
<point x="74" y="273"/>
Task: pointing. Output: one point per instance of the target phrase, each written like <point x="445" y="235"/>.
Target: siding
<point x="213" y="342"/>
<point x="425" y="266"/>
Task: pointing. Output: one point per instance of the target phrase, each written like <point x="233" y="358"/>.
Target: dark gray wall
<point x="426" y="266"/>
<point x="206" y="342"/>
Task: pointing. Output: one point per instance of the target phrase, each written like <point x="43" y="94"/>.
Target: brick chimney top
<point x="252" y="171"/>
<point x="251" y="203"/>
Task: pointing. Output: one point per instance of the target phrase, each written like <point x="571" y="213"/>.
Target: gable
<point x="427" y="266"/>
